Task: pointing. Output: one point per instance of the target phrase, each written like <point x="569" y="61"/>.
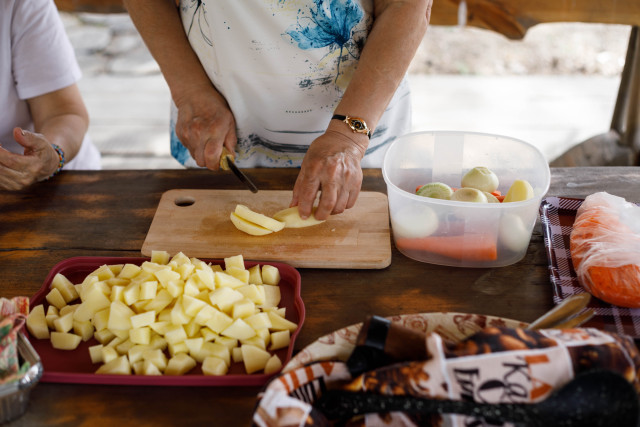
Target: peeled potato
<point x="291" y="218"/>
<point x="519" y="191"/>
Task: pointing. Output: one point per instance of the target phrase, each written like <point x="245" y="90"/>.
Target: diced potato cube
<point x="166" y="276"/>
<point x="255" y="340"/>
<point x="84" y="329"/>
<point x="101" y="319"/>
<point x="102" y="273"/>
<point x="279" y="323"/>
<point x="93" y="301"/>
<point x="136" y="353"/>
<point x="255" y="275"/>
<point x="140" y="335"/>
<point x="158" y="342"/>
<point x="191" y="287"/>
<point x="117" y="281"/>
<point x="65" y="340"/>
<point x="180" y="364"/>
<point x="242" y="309"/>
<point x="181" y="258"/>
<point x="270" y="275"/>
<point x="206" y="276"/>
<point x="95" y="352"/>
<point x="185" y="270"/>
<point x="118" y="366"/>
<point x="214" y="366"/>
<point x="50" y="319"/>
<point x="234" y="261"/>
<point x="125" y="346"/>
<point x="117" y="293"/>
<point x="205" y="314"/>
<point x="104" y="336"/>
<point x="191" y="305"/>
<point x="68" y="309"/>
<point x="119" y="316"/>
<point x="160" y="302"/>
<point x="230" y="343"/>
<point x="65" y="287"/>
<point x="131" y="293"/>
<point x="157" y="357"/>
<point x="272" y="296"/>
<point x="236" y="354"/>
<point x="178" y="316"/>
<point x="239" y="330"/>
<point x="254" y="358"/>
<point x="280" y="339"/>
<point x="192" y="329"/>
<point x="64" y="323"/>
<point x="129" y="271"/>
<point x="224" y="298"/>
<point x="225" y="280"/>
<point x="137" y="366"/>
<point x="148" y="289"/>
<point x="175" y="334"/>
<point x="115" y="268"/>
<point x="54" y="297"/>
<point x="149" y="368"/>
<point x="177" y="348"/>
<point x="194" y="344"/>
<point x="273" y="365"/>
<point x="254" y="293"/>
<point x="239" y="273"/>
<point x="213" y="349"/>
<point x="160" y="257"/>
<point x="175" y="288"/>
<point x="160" y="327"/>
<point x="208" y="334"/>
<point x="165" y="315"/>
<point x="37" y="322"/>
<point x="259" y="320"/>
<point x="143" y="319"/>
<point x="109" y="353"/>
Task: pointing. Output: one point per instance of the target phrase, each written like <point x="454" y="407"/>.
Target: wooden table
<point x="108" y="213"/>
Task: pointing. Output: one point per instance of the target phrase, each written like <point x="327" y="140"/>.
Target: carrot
<point x="470" y="247"/>
<point x="604" y="251"/>
<point x="500" y="197"/>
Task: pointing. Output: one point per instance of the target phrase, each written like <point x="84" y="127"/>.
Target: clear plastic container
<point x="454" y="233"/>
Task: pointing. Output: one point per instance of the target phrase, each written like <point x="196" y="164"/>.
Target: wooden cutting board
<point x="196" y="222"/>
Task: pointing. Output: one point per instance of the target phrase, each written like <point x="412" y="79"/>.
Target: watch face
<point x="358" y="125"/>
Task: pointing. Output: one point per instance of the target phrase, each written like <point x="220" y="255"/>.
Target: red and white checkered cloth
<point x="557" y="215"/>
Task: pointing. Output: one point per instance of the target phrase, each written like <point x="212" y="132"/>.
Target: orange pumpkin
<point x="605" y="249"/>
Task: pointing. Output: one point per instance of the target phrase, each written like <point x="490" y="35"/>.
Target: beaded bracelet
<point x="61" y="160"/>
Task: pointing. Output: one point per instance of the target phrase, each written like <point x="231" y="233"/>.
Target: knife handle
<point x="225" y="157"/>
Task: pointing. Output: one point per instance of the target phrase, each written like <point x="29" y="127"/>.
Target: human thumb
<point x="25" y="138"/>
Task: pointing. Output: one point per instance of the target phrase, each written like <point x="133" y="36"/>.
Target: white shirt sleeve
<point x="43" y="57"/>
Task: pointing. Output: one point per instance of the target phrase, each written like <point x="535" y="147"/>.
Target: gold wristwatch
<point x="356" y="124"/>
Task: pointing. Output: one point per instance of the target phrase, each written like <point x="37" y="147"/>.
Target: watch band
<point x="356" y="124"/>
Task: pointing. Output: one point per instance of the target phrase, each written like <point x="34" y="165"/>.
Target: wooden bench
<point x="620" y="145"/>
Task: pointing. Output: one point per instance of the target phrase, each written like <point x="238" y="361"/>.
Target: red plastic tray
<point x="64" y="366"/>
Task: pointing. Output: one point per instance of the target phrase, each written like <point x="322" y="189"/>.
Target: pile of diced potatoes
<point x="169" y="314"/>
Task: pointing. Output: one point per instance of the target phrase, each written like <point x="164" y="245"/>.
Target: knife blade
<point x="227" y="163"/>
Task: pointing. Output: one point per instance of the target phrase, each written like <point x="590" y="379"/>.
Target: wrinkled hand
<point x="205" y="123"/>
<point x="331" y="166"/>
<point x="39" y="161"/>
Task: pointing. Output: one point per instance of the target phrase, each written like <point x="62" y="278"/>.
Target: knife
<point x="227" y="163"/>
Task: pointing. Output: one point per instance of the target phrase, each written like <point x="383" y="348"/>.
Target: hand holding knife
<point x="227" y="163"/>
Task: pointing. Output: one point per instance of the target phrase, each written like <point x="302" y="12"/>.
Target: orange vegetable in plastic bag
<point x="605" y="249"/>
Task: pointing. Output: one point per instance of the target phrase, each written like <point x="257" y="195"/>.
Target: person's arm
<point x="60" y="118"/>
<point x="205" y="121"/>
<point x="332" y="163"/>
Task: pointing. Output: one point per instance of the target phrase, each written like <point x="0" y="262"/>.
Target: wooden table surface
<point x="108" y="213"/>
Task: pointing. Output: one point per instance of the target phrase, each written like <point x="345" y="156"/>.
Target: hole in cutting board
<point x="184" y="201"/>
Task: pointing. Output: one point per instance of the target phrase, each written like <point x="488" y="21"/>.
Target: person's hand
<point x="205" y="123"/>
<point x="39" y="161"/>
<point x="332" y="166"/>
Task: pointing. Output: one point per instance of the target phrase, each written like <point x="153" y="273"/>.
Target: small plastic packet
<point x="13" y="314"/>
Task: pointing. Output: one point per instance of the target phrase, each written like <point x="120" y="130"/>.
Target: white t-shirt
<point x="283" y="66"/>
<point x="36" y="58"/>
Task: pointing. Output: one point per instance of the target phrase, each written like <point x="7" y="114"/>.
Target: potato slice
<point x="248" y="227"/>
<point x="291" y="218"/>
<point x="257" y="218"/>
